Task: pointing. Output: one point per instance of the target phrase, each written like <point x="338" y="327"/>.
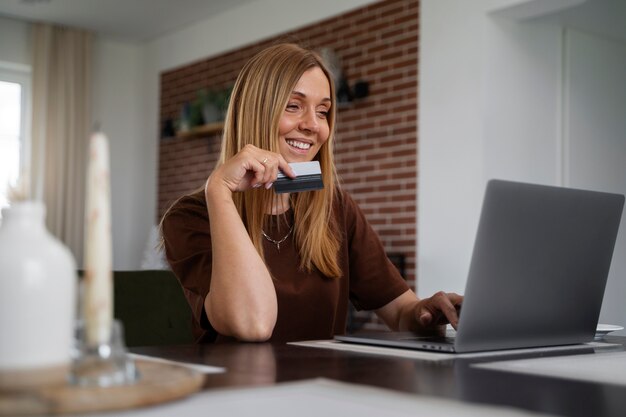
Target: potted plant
<point x="214" y="104"/>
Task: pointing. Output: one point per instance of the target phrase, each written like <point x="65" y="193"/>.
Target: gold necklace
<point x="277" y="242"/>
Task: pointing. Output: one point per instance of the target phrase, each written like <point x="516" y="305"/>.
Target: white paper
<point x="205" y="369"/>
<point x="318" y="398"/>
<point x="436" y="356"/>
<point x="608" y="367"/>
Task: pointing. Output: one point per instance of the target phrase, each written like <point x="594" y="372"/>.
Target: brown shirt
<point x="310" y="305"/>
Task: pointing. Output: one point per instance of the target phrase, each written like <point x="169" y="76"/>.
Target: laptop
<point x="538" y="271"/>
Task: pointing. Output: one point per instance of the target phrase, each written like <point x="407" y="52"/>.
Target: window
<point x="14" y="125"/>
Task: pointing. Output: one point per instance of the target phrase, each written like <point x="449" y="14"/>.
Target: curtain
<point x="61" y="125"/>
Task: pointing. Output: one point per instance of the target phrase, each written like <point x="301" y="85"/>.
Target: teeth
<point x="299" y="145"/>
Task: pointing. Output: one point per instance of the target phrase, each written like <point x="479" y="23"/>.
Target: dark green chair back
<point x="152" y="307"/>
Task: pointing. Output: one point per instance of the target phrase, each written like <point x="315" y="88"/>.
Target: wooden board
<point x="204" y="130"/>
<point x="158" y="383"/>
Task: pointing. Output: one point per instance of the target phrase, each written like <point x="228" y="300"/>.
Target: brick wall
<point x="376" y="147"/>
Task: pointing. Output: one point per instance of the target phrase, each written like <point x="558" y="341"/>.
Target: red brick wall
<point x="376" y="148"/>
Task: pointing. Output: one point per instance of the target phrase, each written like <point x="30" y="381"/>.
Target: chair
<point x="152" y="307"/>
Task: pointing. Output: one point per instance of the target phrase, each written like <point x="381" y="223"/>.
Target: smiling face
<point x="303" y="126"/>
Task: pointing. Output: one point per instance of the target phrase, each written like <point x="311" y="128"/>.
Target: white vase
<point x="38" y="283"/>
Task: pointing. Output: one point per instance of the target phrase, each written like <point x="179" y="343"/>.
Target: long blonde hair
<point x="258" y="100"/>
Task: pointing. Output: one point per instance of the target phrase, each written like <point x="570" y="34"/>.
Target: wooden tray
<point x="158" y="383"/>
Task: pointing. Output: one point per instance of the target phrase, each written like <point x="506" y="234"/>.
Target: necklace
<point x="277" y="242"/>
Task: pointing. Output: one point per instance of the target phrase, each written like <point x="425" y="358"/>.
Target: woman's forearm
<point x="242" y="299"/>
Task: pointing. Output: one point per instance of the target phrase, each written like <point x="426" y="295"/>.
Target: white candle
<point x="98" y="280"/>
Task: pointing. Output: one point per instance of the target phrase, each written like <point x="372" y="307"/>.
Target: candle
<point x="98" y="280"/>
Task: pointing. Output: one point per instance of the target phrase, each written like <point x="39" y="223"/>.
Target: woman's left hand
<point x="438" y="310"/>
<point x="426" y="316"/>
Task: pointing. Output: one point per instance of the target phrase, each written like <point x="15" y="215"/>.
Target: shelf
<point x="204" y="130"/>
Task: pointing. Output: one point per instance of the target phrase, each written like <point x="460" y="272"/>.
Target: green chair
<point x="152" y="307"/>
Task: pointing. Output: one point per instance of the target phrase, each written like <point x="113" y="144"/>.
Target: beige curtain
<point x="61" y="126"/>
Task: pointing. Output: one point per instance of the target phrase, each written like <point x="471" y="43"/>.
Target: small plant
<point x="214" y="104"/>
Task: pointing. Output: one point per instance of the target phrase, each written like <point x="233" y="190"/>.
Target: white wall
<point x="595" y="137"/>
<point x="493" y="102"/>
<point x="489" y="108"/>
<point x="521" y="99"/>
<point x="117" y="99"/>
<point x="450" y="166"/>
<point x="15" y="41"/>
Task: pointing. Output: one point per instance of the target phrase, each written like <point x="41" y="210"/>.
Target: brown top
<point x="310" y="305"/>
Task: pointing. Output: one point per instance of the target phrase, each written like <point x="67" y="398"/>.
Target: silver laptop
<point x="538" y="271"/>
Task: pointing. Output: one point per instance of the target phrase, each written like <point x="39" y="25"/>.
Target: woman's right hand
<point x="242" y="298"/>
<point x="251" y="167"/>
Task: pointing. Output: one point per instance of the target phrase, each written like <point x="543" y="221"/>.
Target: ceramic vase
<point x="38" y="283"/>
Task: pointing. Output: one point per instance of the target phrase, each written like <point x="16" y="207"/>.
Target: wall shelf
<point x="204" y="130"/>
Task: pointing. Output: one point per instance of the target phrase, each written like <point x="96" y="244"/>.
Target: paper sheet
<point x="609" y="367"/>
<point x="319" y="397"/>
<point x="436" y="356"/>
<point x="205" y="369"/>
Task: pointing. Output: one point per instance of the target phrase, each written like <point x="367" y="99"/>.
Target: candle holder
<point x="104" y="364"/>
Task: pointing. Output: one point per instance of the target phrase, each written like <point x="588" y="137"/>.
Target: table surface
<point x="263" y="364"/>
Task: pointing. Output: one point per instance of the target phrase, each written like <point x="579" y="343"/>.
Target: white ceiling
<point x="141" y="20"/>
<point x="128" y="20"/>
<point x="601" y="17"/>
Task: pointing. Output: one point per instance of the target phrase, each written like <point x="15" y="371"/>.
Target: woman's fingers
<point x="270" y="164"/>
<point x="253" y="168"/>
<point x="263" y="166"/>
<point x="439" y="309"/>
<point x="285" y="167"/>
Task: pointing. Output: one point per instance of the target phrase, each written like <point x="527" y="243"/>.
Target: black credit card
<point x="309" y="177"/>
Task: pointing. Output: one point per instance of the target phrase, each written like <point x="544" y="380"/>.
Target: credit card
<point x="309" y="177"/>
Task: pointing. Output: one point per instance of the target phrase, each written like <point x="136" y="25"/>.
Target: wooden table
<point x="267" y="364"/>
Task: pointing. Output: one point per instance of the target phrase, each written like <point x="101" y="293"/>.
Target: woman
<point x="256" y="265"/>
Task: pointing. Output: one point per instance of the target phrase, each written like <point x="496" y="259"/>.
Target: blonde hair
<point x="258" y="100"/>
